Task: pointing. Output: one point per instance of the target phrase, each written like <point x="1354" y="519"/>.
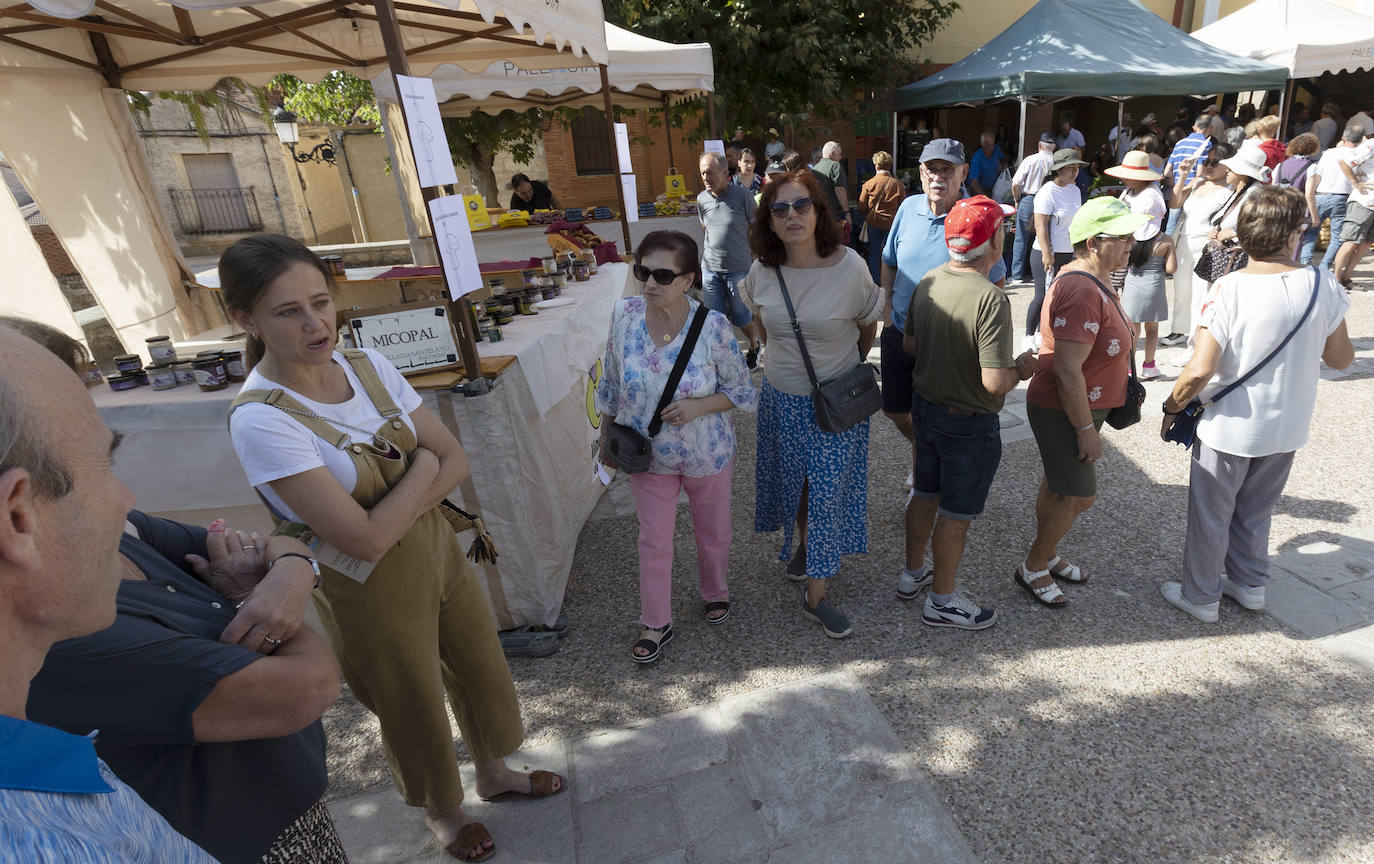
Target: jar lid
<point x="206" y="361"/>
<point x="211" y="352"/>
<point x="116" y="378"/>
<point x="230" y="353"/>
<point x="154" y="367"/>
<point x="158" y="339"/>
<point x="119" y="357"/>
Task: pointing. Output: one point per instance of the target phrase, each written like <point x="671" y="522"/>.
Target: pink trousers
<point x="656" y="501"/>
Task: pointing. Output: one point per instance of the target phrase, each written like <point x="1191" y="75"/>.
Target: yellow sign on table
<point x="476" y="207"/>
<point x="676" y="185"/>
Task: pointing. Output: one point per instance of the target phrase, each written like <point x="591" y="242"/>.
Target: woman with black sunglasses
<point x="817" y="479"/>
<point x="1199" y="199"/>
<point x="694" y="450"/>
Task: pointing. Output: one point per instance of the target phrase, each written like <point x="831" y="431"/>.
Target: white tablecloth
<point x="531" y="443"/>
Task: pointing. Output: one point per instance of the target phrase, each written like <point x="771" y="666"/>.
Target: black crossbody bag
<point x="1184" y="430"/>
<point x="1128" y="413"/>
<point x="629" y="449"/>
<point x="844" y="401"/>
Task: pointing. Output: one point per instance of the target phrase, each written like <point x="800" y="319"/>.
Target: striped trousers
<point x="1230" y="502"/>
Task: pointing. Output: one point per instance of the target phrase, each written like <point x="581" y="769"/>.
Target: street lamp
<point x="289" y="134"/>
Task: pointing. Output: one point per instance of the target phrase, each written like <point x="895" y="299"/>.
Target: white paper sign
<point x="715" y="145"/>
<point x="627" y="185"/>
<point x="426" y="130"/>
<point x="453" y="236"/>
<point x="414" y="339"/>
<point x="622" y="147"/>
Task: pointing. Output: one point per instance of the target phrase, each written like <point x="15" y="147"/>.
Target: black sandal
<point x="717" y="606"/>
<point x="655" y="647"/>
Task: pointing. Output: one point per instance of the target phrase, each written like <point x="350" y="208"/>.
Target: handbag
<point x="1128" y="413"/>
<point x="1184" y="430"/>
<point x="840" y="402"/>
<point x="627" y="447"/>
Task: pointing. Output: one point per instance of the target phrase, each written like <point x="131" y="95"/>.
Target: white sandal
<point x="1071" y="573"/>
<point x="1050" y="595"/>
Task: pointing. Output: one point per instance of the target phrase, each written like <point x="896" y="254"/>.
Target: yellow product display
<point x="514" y="219"/>
<point x="676" y="184"/>
<point x="476" y="207"/>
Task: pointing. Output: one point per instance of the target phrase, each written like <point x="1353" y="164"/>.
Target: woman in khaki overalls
<point x="419" y="624"/>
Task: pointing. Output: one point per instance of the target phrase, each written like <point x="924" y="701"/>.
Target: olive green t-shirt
<point x="961" y="323"/>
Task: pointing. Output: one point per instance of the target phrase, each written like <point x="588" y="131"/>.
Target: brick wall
<point x="53" y="252"/>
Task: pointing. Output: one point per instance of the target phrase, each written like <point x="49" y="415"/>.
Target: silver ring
<point x="272" y="640"/>
<point x="248" y="547"/>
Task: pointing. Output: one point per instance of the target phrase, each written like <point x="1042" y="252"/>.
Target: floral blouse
<point x="636" y="370"/>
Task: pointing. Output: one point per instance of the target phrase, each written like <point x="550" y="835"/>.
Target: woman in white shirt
<point x="1198" y="200"/>
<point x="1246" y="440"/>
<point x="1056" y="202"/>
<point x="341" y="447"/>
<point x="805" y="475"/>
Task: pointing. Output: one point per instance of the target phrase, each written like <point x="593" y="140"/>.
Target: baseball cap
<point x="1104" y="215"/>
<point x="775" y="167"/>
<point x="944" y="148"/>
<point x="1046" y="137"/>
<point x="973" y="221"/>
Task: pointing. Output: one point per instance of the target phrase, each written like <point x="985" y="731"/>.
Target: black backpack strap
<point x="1316" y="288"/>
<point x="675" y="376"/>
<point x="796" y="328"/>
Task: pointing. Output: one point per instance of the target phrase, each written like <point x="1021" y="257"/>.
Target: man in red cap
<point x="959" y="329"/>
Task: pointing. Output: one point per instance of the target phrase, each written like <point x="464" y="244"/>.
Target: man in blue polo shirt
<point x="59" y="570"/>
<point x="915" y="246"/>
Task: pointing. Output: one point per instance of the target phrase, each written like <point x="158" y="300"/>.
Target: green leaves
<point x="339" y="99"/>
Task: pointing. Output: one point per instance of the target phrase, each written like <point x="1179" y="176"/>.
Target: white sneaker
<point x="960" y="612"/>
<point x="909" y="584"/>
<point x="1149" y="372"/>
<point x="1207" y="613"/>
<point x="1250" y="598"/>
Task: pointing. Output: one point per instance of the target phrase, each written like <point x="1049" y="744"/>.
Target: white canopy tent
<point x="642" y="72"/>
<point x="1309" y="37"/>
<point x="68" y="134"/>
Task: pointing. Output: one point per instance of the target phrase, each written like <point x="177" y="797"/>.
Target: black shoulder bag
<point x="1184" y="430"/>
<point x="630" y="450"/>
<point x="845" y="401"/>
<point x="1127" y="414"/>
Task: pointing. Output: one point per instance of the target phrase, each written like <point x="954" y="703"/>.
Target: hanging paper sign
<point x="715" y="145"/>
<point x="426" y="129"/>
<point x="627" y="184"/>
<point x="453" y="236"/>
<point x="622" y="147"/>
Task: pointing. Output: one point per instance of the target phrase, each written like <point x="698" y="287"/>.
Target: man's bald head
<point x="30" y="375"/>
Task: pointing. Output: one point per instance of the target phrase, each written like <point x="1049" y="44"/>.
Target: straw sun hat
<point x="1135" y="165"/>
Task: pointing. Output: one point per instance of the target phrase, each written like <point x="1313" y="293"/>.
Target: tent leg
<point x="672" y="163"/>
<point x="711" y="113"/>
<point x="1021" y="141"/>
<point x="1120" y="118"/>
<point x="1285" y="106"/>
<point x="462" y="322"/>
<point x="894" y="139"/>
<point x="619" y="189"/>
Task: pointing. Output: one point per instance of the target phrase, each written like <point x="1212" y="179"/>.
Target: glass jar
<point x="233" y="364"/>
<point x="162" y="377"/>
<point x="122" y="382"/>
<point x="160" y="350"/>
<point x="183" y="371"/>
<point x="127" y="364"/>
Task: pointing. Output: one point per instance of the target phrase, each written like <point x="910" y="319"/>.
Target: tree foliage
<point x="339" y="99"/>
<point x="475" y="140"/>
<point x="792" y="60"/>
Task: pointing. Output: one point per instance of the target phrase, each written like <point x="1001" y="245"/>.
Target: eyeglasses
<point x="938" y="172"/>
<point x="1114" y="237"/>
<point x="801" y="207"/>
<point x="661" y="275"/>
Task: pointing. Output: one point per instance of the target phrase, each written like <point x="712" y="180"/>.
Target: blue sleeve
<point x="173" y="540"/>
<point x="893" y="232"/>
<point x="998" y="271"/>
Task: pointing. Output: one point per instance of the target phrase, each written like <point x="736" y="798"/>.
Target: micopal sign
<point x="417" y="337"/>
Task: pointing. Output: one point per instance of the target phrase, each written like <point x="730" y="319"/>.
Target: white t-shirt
<point x="1150" y="202"/>
<point x="1333" y="180"/>
<point x="1249" y="315"/>
<point x="271" y="444"/>
<point x="1362" y="164"/>
<point x="1199" y="209"/>
<point x="1060" y="203"/>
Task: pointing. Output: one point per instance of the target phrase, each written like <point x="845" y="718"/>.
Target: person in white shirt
<point x="1247" y="438"/>
<point x="1055" y="205"/>
<point x="1122" y="138"/>
<point x="1030" y="175"/>
<point x="1328" y="190"/>
<point x="1357" y="231"/>
<point x="1069" y="137"/>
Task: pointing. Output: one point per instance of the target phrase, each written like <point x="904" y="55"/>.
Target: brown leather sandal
<point x="471" y="837"/>
<point x="541" y="786"/>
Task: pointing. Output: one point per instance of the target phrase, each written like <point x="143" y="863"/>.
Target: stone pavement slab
<point x="795" y="773"/>
<point x="1325" y="586"/>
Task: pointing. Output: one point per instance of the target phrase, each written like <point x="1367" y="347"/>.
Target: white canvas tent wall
<point x="1308" y="37"/>
<point x="642" y="71"/>
<point x="68" y="134"/>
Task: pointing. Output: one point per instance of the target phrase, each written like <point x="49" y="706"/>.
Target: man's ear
<point x="18" y="520"/>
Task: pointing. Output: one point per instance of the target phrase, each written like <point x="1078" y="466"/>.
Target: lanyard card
<point x="354" y="568"/>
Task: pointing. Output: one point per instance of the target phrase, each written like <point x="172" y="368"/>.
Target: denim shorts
<point x="956" y="457"/>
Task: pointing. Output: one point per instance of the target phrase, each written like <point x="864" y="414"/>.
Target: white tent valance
<point x="1309" y="37"/>
<point x="641" y="71"/>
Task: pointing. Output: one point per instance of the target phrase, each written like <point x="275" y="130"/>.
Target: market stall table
<point x="531" y="442"/>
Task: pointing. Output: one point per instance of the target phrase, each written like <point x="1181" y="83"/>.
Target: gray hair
<point x="23" y="445"/>
<point x="830" y="149"/>
<point x="970" y="255"/>
<point x="717" y="160"/>
<point x="1354" y="133"/>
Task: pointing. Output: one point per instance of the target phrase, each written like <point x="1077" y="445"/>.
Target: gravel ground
<point x="1115" y="730"/>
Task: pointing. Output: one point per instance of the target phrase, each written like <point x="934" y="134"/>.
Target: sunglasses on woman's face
<point x="1211" y="163"/>
<point x="801" y="206"/>
<point x="661" y="275"/>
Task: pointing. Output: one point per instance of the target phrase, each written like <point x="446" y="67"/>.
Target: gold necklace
<point x="667" y="335"/>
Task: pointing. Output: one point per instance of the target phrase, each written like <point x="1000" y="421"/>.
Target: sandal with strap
<point x="541" y="786"/>
<point x="717" y="606"/>
<point x="1049" y="595"/>
<point x="653" y="646"/>
<point x="1069" y="572"/>
<point x="471" y="837"/>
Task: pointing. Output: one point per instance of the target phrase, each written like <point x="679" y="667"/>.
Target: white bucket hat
<point x="1248" y="162"/>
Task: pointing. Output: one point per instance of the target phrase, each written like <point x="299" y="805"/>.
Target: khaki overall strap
<point x="278" y="398"/>
<point x="372" y="383"/>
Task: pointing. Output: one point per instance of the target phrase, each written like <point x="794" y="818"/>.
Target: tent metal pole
<point x="619" y="188"/>
<point x="672" y="163"/>
<point x="1021" y="139"/>
<point x="1285" y="106"/>
<point x="462" y="322"/>
<point x="894" y="138"/>
<point x="1120" y="117"/>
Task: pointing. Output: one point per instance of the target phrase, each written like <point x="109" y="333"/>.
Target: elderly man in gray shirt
<point x="725" y="210"/>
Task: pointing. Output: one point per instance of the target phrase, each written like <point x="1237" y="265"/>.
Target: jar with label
<point x="580" y="271"/>
<point x="162" y="377"/>
<point x="183" y="371"/>
<point x="589" y="256"/>
<point x="558" y="280"/>
<point x="141" y="376"/>
<point x="496" y="286"/>
<point x="526" y="276"/>
<point x="127" y="364"/>
<point x="91" y="376"/>
<point x="120" y="383"/>
<point x="495" y="334"/>
<point x="160" y="350"/>
<point x="335" y="264"/>
<point x="233" y="364"/>
<point x="550" y="264"/>
<point x="210" y="370"/>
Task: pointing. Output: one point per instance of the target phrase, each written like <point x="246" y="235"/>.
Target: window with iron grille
<point x="593" y="149"/>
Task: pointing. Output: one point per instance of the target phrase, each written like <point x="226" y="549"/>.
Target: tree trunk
<point x="483" y="169"/>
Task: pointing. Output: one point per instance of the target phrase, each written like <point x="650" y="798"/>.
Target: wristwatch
<point x="314" y="565"/>
<point x="1167" y="412"/>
